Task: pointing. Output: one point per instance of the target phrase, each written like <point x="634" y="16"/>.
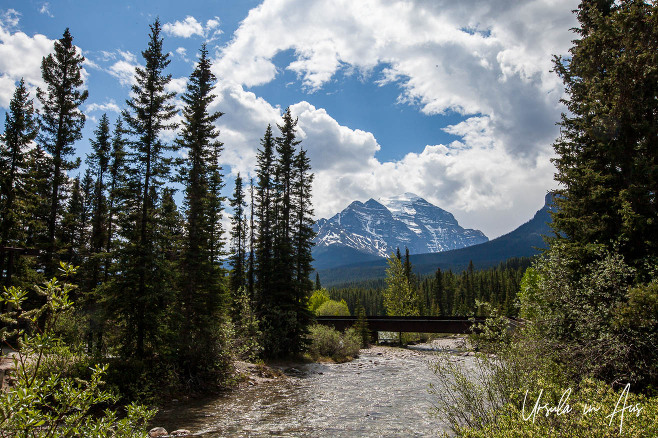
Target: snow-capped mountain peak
<point x="379" y="227"/>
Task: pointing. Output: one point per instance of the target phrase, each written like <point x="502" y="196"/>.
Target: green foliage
<point x="584" y="313"/>
<point x="607" y="163"/>
<point x="283" y="245"/>
<point x="333" y="308"/>
<point x="329" y="342"/>
<point x="20" y="130"/>
<point x="400" y="297"/>
<point x="317" y="298"/>
<point x="143" y="285"/>
<point x="61" y="123"/>
<point x="514" y="421"/>
<point x="495" y="332"/>
<point x="246" y="327"/>
<point x="528" y="297"/>
<point x="42" y="401"/>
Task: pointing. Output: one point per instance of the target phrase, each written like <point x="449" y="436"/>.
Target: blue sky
<point x="453" y="101"/>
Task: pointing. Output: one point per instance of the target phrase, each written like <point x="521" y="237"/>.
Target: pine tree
<point x="607" y="160"/>
<point x="238" y="251"/>
<point x="149" y="114"/>
<point x="283" y="240"/>
<point x="303" y="235"/>
<point x="265" y="220"/>
<point x="115" y="184"/>
<point x="61" y="123"/>
<point x="72" y="230"/>
<point x="202" y="292"/>
<point x="20" y="130"/>
<point x="98" y="161"/>
<point x="251" y="263"/>
<point x="400" y="299"/>
<point x="37" y="189"/>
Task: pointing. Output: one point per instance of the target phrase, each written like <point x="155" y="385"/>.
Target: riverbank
<point x="384" y="392"/>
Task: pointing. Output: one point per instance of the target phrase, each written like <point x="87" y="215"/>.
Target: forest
<point x="150" y="286"/>
<point x="445" y="293"/>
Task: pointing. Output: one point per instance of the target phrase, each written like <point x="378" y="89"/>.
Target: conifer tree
<point x="238" y="251"/>
<point x="61" y="123"/>
<point x="216" y="206"/>
<point x="283" y="255"/>
<point x="115" y="184"/>
<point x="98" y="161"/>
<point x="607" y="159"/>
<point x="38" y="187"/>
<point x="265" y="220"/>
<point x="252" y="242"/>
<point x="149" y="114"/>
<point x="302" y="238"/>
<point x="72" y="232"/>
<point x="20" y="130"/>
<point x="202" y="293"/>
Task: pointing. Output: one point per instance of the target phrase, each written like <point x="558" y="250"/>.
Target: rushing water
<point x="382" y="393"/>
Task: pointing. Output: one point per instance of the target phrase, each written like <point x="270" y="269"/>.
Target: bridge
<point x="399" y="324"/>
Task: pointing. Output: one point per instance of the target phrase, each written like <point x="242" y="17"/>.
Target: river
<point x="382" y="393"/>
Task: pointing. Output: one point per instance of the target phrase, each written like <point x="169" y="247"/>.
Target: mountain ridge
<point x="526" y="240"/>
<point x="378" y="227"/>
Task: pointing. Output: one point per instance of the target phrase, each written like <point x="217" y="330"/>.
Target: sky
<point x="453" y="101"/>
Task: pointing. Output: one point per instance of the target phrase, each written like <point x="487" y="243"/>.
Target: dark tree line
<point x="153" y="279"/>
<point x="446" y="293"/>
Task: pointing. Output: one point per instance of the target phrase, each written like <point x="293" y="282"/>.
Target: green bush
<point x="333" y="308"/>
<point x="317" y="298"/>
<point x="600" y="321"/>
<point x="330" y="343"/>
<point x="42" y="401"/>
<point x="605" y="420"/>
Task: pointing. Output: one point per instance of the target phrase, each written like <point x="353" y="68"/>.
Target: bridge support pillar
<point x="374" y="336"/>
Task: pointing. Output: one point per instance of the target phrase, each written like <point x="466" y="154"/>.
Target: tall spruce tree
<point x="98" y="161"/>
<point x="20" y="130"/>
<point x="202" y="292"/>
<point x="251" y="262"/>
<point x="265" y="221"/>
<point x="114" y="188"/>
<point x="238" y="248"/>
<point x="607" y="159"/>
<point x="302" y="238"/>
<point x="38" y="190"/>
<point x="282" y="291"/>
<point x="61" y="123"/>
<point x="149" y="114"/>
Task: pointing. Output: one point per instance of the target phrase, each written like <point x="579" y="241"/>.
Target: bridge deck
<point x="419" y="324"/>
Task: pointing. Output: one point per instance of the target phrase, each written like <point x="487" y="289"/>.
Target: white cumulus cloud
<point x="190" y="26"/>
<point x="20" y="57"/>
<point x="488" y="61"/>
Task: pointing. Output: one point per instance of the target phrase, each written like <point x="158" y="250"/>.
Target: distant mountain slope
<point x="375" y="229"/>
<point x="525" y="241"/>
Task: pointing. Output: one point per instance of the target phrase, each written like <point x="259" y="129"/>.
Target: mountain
<point x="525" y="241"/>
<point x="375" y="229"/>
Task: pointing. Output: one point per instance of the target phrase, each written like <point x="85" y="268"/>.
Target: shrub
<point x="333" y="308"/>
<point x="605" y="420"/>
<point x="317" y="298"/>
<point x="43" y="401"/>
<point x="329" y="342"/>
